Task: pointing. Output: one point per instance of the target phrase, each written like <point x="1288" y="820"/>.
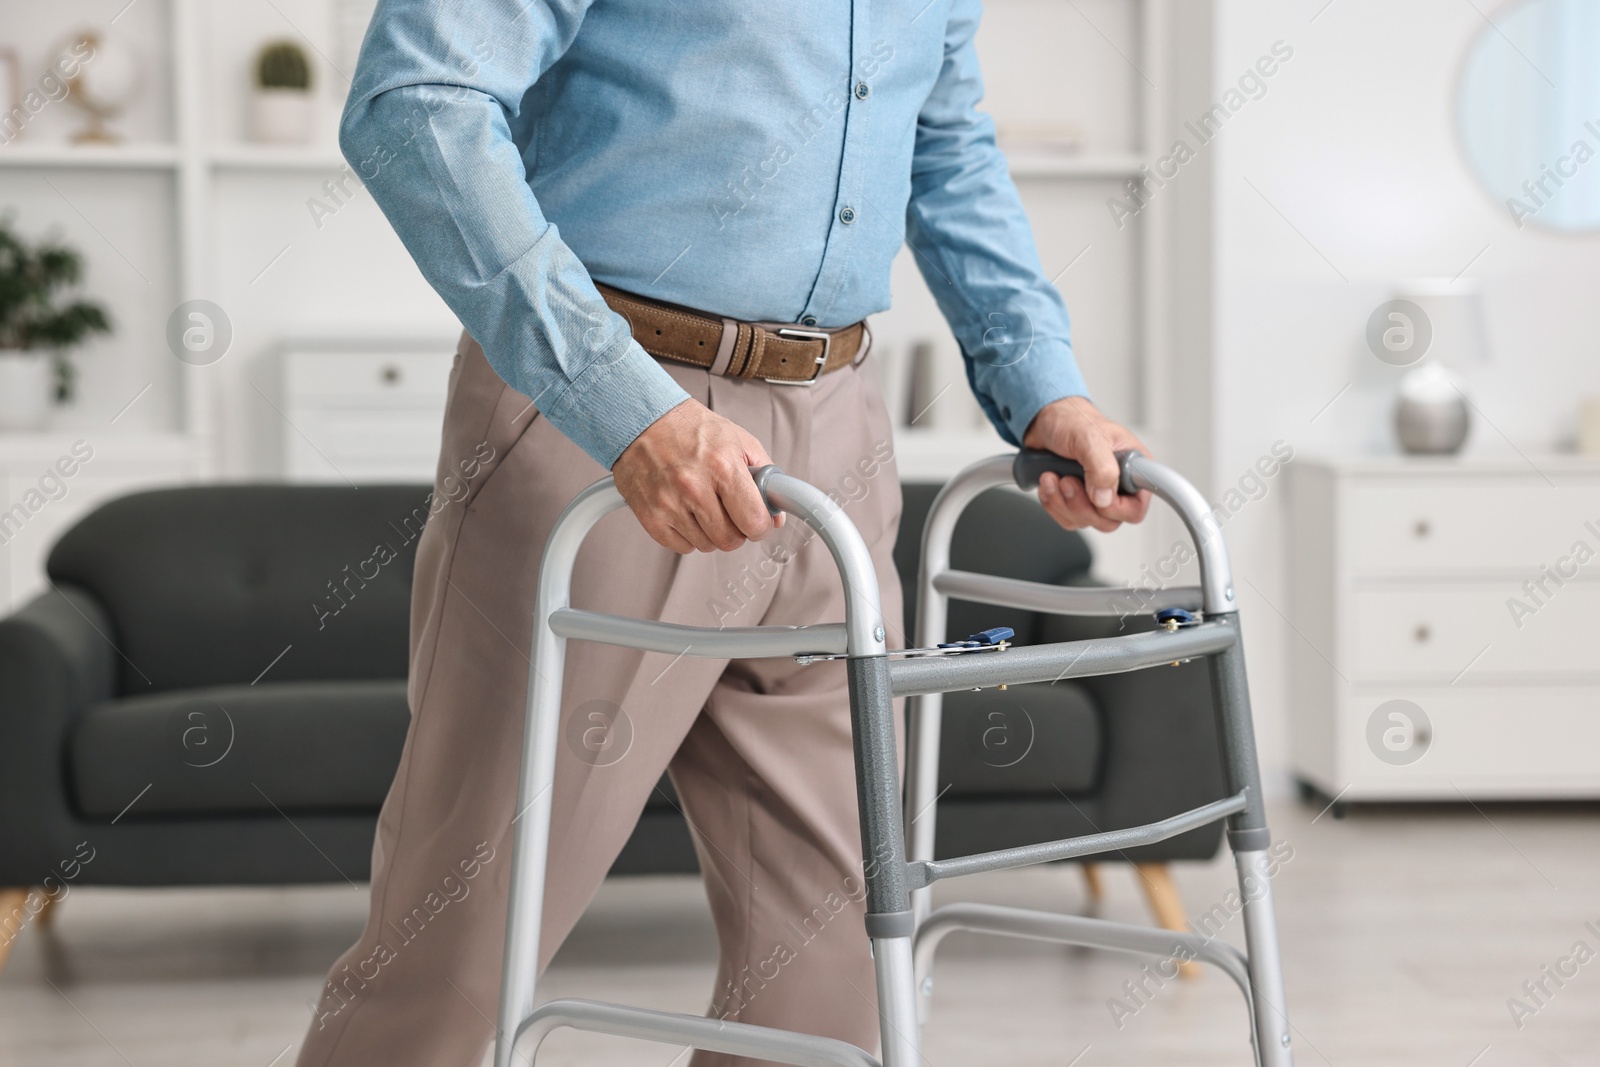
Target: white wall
<point x="1354" y="148"/>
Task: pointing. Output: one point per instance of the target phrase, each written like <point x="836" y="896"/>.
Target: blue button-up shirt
<point x="757" y="161"/>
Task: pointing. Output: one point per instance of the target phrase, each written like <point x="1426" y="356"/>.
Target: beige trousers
<point x="759" y="751"/>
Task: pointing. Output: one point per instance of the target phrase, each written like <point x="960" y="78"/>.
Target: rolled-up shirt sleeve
<point x="974" y="246"/>
<point x="428" y="129"/>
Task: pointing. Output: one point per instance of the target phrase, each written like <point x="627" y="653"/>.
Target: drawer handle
<point x="1422" y="633"/>
<point x="390" y="374"/>
<point x="1422" y="529"/>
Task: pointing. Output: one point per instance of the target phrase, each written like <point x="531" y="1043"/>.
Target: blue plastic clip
<point x="995" y="635"/>
<point x="1170" y="616"/>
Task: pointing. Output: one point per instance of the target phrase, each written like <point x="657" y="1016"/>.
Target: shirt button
<point x="809" y="320"/>
<point x="863" y="90"/>
<point x="847" y="215"/>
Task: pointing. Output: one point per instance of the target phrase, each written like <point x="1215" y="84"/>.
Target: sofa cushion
<point x="210" y="585"/>
<point x="1041" y="740"/>
<point x="285" y="746"/>
<point x="1002" y="532"/>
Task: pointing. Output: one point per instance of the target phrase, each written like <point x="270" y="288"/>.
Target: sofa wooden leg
<point x="1166" y="904"/>
<point x="47" y="911"/>
<point x="13" y="917"/>
<point x="1091" y="882"/>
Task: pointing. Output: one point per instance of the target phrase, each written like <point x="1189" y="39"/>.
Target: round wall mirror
<point x="1528" y="112"/>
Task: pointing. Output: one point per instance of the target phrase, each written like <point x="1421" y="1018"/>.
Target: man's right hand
<point x="687" y="479"/>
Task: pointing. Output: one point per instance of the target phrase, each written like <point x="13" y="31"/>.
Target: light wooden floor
<point x="1405" y="932"/>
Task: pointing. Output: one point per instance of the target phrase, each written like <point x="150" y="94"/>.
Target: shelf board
<point x="107" y="157"/>
<point x="274" y="157"/>
<point x="1035" y="164"/>
<point x="25" y="450"/>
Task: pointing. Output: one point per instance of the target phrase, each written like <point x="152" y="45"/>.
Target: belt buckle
<point x="822" y="360"/>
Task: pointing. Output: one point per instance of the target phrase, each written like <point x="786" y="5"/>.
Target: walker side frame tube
<point x="522" y="1026"/>
<point x="1216" y="638"/>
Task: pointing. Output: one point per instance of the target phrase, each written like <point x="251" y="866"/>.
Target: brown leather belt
<point x="788" y="355"/>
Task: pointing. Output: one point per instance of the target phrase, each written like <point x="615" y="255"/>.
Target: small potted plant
<point x="38" y="325"/>
<point x="281" y="106"/>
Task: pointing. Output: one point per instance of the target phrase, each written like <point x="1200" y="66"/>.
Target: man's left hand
<point x="1074" y="428"/>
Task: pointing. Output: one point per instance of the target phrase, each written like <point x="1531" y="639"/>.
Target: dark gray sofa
<point x="181" y="629"/>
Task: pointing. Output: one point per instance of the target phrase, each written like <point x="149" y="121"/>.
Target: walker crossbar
<point x="896" y="888"/>
<point x="697" y="1031"/>
<point x="1065" y="659"/>
<point x="1065" y="599"/>
<point x="1077" y="930"/>
<point x="730" y="642"/>
<point x="923" y="873"/>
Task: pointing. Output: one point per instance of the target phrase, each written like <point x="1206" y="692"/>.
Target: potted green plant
<point x="38" y="325"/>
<point x="281" y="106"/>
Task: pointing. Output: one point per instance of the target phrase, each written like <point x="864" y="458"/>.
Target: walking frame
<point x="903" y="932"/>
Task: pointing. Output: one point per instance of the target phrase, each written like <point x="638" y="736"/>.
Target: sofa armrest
<point x="56" y="659"/>
<point x="1161" y="750"/>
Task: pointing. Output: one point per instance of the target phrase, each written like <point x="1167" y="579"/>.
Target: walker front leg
<point x="1250" y="840"/>
<point x="1270" y="1019"/>
<point x="925" y="713"/>
<point x="530" y="823"/>
<point x="531" y="837"/>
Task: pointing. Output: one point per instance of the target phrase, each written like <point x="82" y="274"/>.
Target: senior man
<point x="661" y="223"/>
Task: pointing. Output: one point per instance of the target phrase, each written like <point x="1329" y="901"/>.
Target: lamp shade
<point x="1455" y="314"/>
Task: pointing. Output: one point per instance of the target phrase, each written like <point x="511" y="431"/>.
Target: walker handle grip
<point x="1032" y="462"/>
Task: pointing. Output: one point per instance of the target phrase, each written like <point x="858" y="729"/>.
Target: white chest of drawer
<point x="364" y="416"/>
<point x="1448" y="628"/>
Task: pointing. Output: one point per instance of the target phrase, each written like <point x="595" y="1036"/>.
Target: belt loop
<point x="730" y="333"/>
<point x="741" y="351"/>
<point x="866" y="344"/>
<point x="758" y="347"/>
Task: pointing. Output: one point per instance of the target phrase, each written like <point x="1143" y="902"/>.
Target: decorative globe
<point x="109" y="77"/>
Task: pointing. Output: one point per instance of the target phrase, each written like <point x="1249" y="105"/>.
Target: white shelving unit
<point x="238" y="232"/>
<point x="186" y="167"/>
<point x="1075" y="165"/>
<point x="94" y="157"/>
<point x="274" y="158"/>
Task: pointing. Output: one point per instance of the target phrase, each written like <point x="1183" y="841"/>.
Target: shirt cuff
<point x="613" y="402"/>
<point x="1018" y="391"/>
